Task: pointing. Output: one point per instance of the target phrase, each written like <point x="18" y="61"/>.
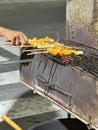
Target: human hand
<point x="13" y="37"/>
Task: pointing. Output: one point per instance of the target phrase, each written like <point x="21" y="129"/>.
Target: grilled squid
<point x="53" y="47"/>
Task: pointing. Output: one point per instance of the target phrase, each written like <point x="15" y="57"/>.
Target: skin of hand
<point x="13" y="37"/>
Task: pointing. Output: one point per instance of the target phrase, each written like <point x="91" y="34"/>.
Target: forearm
<point x="2" y="30"/>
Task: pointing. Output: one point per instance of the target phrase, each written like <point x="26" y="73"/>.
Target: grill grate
<point x="88" y="63"/>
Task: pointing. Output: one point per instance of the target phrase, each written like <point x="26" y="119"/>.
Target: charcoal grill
<point x="71" y="81"/>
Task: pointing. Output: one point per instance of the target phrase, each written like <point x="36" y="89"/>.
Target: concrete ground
<point x="22" y="1"/>
<point x="35" y="19"/>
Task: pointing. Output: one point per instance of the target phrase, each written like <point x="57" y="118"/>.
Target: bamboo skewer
<point x="40" y="52"/>
<point x="38" y="49"/>
<point x="44" y="47"/>
<point x="10" y="122"/>
<point x="19" y="46"/>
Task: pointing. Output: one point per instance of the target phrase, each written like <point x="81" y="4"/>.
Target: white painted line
<point x="9" y="77"/>
<point x="5" y="106"/>
<point x="3" y="58"/>
<point x="15" y="51"/>
<point x="26" y="107"/>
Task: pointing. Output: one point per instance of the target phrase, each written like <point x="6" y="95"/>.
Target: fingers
<point x="14" y="41"/>
<point x="23" y="39"/>
<point x="17" y="41"/>
<point x="18" y="38"/>
<point x="14" y="37"/>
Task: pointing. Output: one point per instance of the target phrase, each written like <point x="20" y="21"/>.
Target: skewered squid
<point x="53" y="47"/>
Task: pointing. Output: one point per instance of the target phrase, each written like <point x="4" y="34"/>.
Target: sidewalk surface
<point x="16" y="1"/>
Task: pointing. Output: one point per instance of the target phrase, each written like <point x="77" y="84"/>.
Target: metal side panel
<point x="70" y="88"/>
<point x="82" y="22"/>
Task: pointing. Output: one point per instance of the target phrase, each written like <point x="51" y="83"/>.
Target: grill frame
<point x="75" y="91"/>
<point x="81" y="86"/>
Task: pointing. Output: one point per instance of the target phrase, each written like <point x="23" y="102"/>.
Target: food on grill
<point x="53" y="47"/>
<point x="63" y="50"/>
<point x="41" y="42"/>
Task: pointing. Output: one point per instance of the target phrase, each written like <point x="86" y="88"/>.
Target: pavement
<point x="35" y="19"/>
<point x="22" y="1"/>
